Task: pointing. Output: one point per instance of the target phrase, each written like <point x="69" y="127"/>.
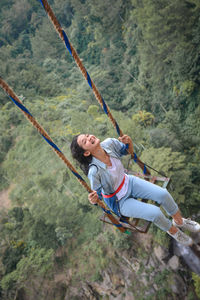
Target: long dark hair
<point x="78" y="154"/>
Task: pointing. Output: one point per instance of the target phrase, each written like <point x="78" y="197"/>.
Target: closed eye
<point x="84" y="141"/>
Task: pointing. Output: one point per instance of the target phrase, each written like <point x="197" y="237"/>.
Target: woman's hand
<point x="93" y="197"/>
<point x="127" y="140"/>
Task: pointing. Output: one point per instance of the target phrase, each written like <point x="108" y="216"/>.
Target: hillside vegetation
<point x="144" y="58"/>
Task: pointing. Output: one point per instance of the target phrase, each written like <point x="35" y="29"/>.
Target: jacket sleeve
<point x="120" y="148"/>
<point x="95" y="181"/>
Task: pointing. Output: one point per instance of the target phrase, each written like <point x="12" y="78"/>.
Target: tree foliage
<point x="143" y="56"/>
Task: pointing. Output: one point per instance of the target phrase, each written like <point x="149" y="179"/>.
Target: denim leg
<point x="139" y="188"/>
<point x="131" y="207"/>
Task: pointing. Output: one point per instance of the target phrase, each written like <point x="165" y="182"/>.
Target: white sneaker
<point x="181" y="238"/>
<point x="188" y="224"/>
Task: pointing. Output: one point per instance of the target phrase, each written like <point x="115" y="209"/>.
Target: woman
<point x="101" y="163"/>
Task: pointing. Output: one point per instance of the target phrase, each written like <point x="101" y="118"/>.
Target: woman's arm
<point x="95" y="184"/>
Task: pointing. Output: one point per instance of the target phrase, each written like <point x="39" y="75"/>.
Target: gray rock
<point x="160" y="253"/>
<point x="173" y="263"/>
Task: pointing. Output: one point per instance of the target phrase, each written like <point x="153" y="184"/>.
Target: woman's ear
<point x="87" y="153"/>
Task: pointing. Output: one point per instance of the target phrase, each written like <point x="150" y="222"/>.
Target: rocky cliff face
<point x="146" y="271"/>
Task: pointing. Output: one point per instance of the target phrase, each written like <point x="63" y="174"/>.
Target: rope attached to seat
<point x="79" y="63"/>
<point x="47" y="138"/>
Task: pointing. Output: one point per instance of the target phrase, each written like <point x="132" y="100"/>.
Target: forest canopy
<point x="144" y="57"/>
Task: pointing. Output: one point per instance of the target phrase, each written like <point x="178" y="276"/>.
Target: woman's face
<point x="88" y="142"/>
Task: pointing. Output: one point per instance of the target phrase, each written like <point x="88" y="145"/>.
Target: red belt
<point x="117" y="191"/>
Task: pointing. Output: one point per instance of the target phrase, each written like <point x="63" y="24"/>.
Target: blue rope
<point x="135" y="157"/>
<point x="24" y="109"/>
<point x="41" y="3"/>
<point x="78" y="176"/>
<point x="104" y="105"/>
<point x="67" y="43"/>
<point x="109" y="213"/>
<point x="117" y="128"/>
<point x="89" y="80"/>
<point x="51" y="144"/>
<point x="21" y="106"/>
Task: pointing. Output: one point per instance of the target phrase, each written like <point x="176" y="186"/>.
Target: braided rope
<point x="44" y="134"/>
<point x="79" y="63"/>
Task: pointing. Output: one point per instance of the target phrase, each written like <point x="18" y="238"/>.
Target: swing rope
<point x="47" y="138"/>
<point x="79" y="63"/>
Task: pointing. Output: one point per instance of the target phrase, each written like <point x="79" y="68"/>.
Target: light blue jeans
<point x="139" y="188"/>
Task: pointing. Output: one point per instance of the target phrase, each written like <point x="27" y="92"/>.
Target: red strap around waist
<point x="117" y="191"/>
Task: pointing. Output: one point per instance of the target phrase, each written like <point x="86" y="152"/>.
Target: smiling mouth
<point x="93" y="140"/>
